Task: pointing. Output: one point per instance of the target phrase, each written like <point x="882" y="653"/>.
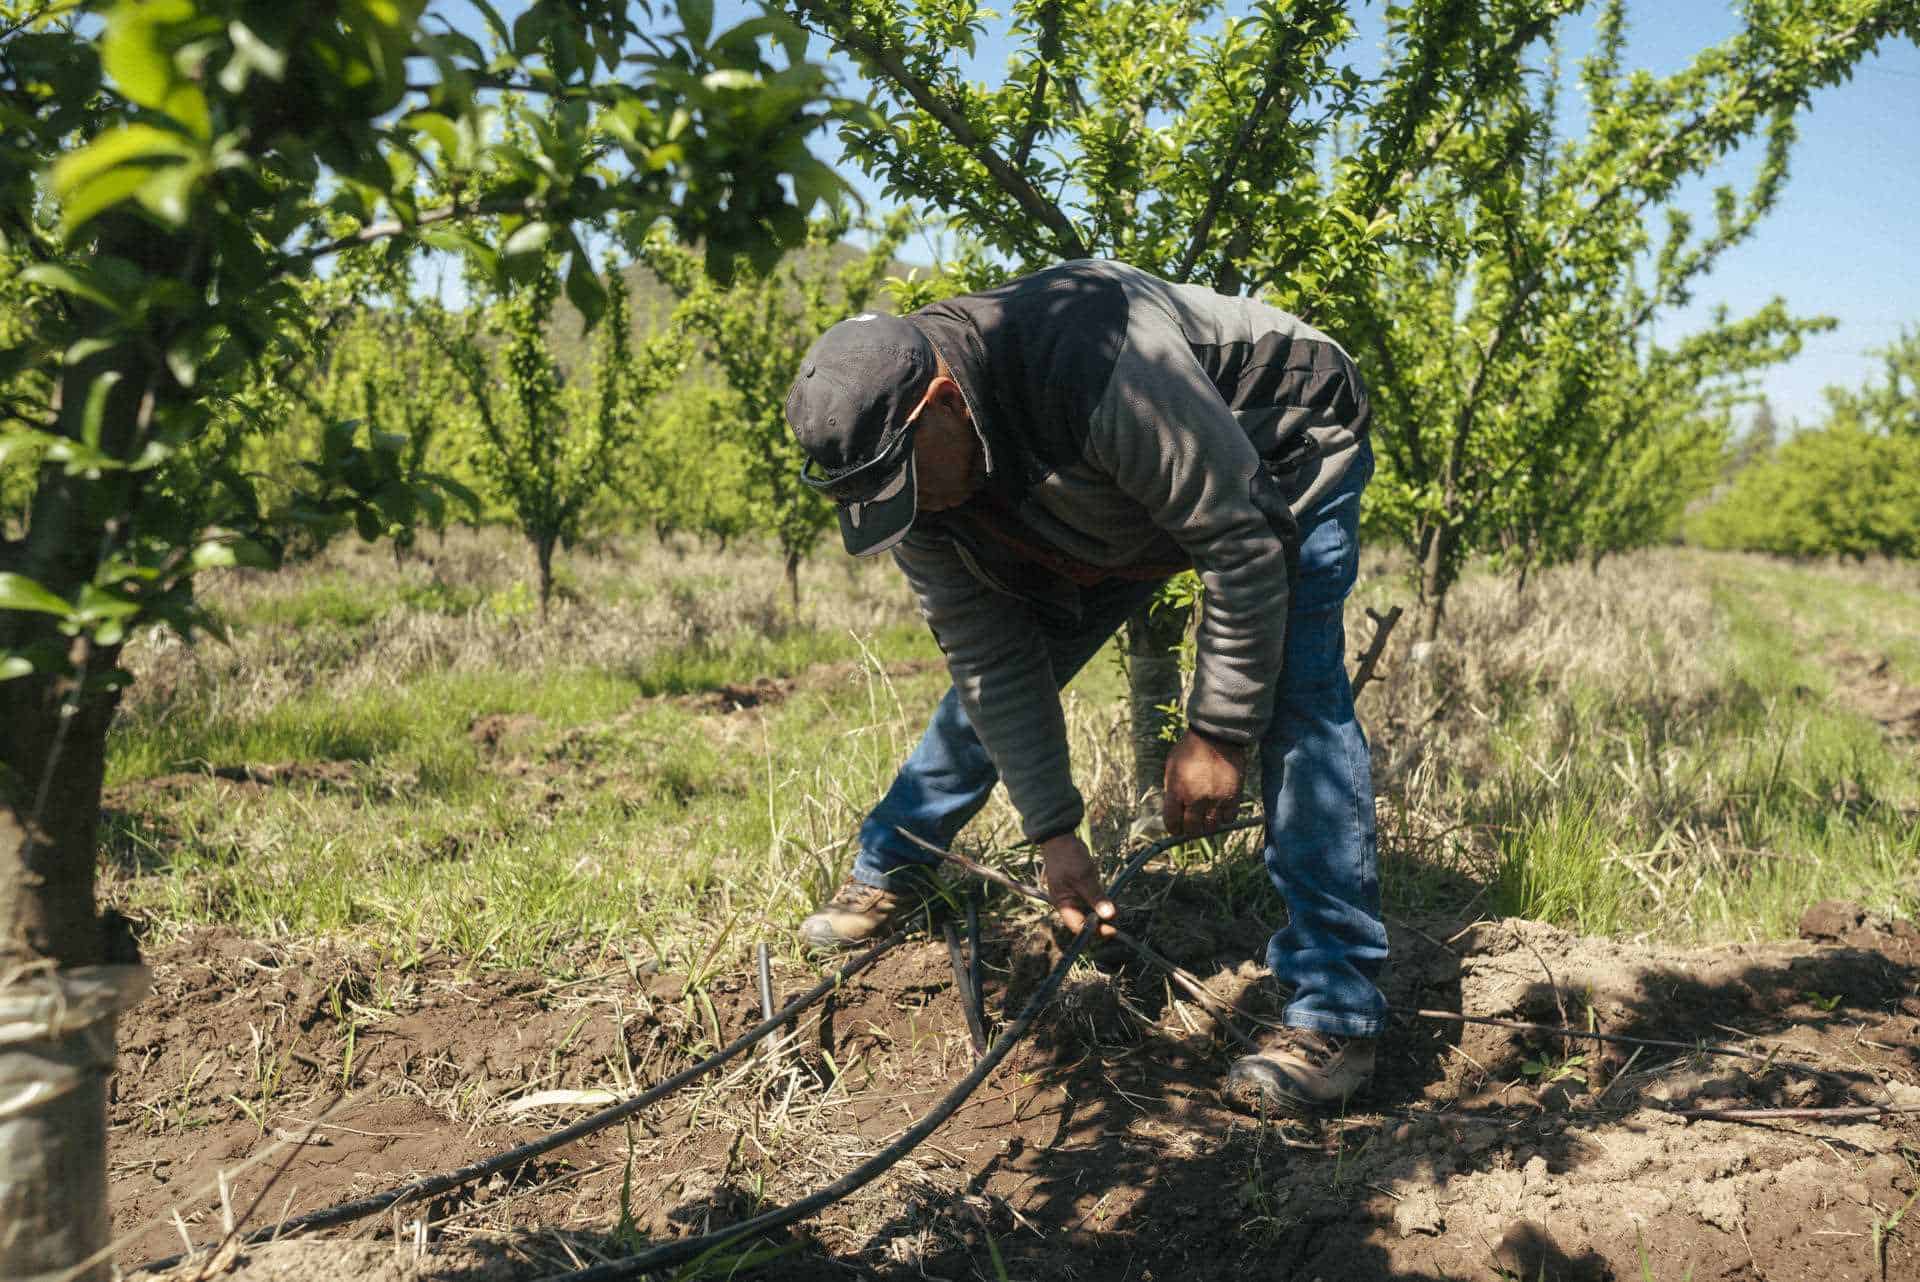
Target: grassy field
<point x="669" y="767"/>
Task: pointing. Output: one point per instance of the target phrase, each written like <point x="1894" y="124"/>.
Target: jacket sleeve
<point x="1168" y="440"/>
<point x="997" y="657"/>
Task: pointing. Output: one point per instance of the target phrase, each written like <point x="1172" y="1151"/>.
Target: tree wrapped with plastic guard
<point x="171" y="174"/>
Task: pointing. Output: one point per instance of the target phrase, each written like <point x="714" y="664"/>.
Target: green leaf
<point x="18" y="592"/>
<point x="529" y="239"/>
<point x="528" y="29"/>
<point x="188" y="105"/>
<point x="168" y="194"/>
<point x="585" y="291"/>
<point x="15" y="665"/>
<point x="454" y="489"/>
<point x="93" y="410"/>
<point x="213" y="556"/>
<point x="698" y="17"/>
<point x="442" y="130"/>
<point x="99" y="195"/>
<point x="16" y="439"/>
<point x="815" y="182"/>
<point x="112" y="168"/>
<point x="494" y="22"/>
<point x="98" y="603"/>
<point x="730" y="78"/>
<point x="82" y="282"/>
<point x="483" y="258"/>
<point x="251" y="53"/>
<point x="132" y="53"/>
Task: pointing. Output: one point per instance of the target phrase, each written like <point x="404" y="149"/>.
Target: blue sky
<point x="1844" y="240"/>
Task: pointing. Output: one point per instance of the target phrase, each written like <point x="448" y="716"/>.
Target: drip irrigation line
<point x="434" y="1185"/>
<point x="976" y="992"/>
<point x="1698" y="1048"/>
<point x="670" y="1253"/>
<point x="1221" y="1010"/>
<point x="1808" y="1114"/>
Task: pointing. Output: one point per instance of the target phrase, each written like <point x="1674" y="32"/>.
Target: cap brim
<point x="872" y="527"/>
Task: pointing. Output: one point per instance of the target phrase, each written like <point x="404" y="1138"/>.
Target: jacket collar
<point x="1009" y="466"/>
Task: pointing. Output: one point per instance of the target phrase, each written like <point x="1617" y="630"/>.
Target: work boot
<point x="1297" y="1071"/>
<point x="862" y="914"/>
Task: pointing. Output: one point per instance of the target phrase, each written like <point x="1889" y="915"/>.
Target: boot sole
<point x="823" y="938"/>
<point x="1262" y="1090"/>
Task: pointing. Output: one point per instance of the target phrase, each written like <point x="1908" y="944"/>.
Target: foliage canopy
<point x="1850" y="487"/>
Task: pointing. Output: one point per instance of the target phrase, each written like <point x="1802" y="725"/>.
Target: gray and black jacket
<point x="1132" y="427"/>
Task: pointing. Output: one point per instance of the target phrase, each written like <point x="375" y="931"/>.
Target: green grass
<point x="615" y="813"/>
<point x="1622" y="810"/>
<point x="420" y="725"/>
<point x="1612" y="762"/>
<point x="1557" y="867"/>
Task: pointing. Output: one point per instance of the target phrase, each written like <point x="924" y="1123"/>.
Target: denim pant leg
<point x="949" y="776"/>
<point x="1317" y="785"/>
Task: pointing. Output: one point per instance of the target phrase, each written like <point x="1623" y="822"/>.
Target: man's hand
<point x="1202" y="785"/>
<point x="1073" y="883"/>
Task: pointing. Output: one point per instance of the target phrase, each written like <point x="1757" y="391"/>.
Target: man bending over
<point x="1039" y="458"/>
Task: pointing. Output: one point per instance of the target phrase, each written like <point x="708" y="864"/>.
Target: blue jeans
<point x="1316" y="782"/>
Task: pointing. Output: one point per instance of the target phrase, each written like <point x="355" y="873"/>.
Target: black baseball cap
<point x="852" y="409"/>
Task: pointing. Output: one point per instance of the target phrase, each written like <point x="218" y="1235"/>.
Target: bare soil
<point x="1098" y="1151"/>
<point x="1869" y="684"/>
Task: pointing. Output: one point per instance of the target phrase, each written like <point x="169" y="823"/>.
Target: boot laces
<point x="857" y="896"/>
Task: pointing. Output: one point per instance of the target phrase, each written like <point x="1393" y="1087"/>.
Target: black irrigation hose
<point x="434" y="1185"/>
<point x="976" y="995"/>
<point x="671" y="1253"/>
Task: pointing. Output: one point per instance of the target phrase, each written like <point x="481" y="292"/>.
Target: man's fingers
<point x="1193" y="819"/>
<point x="1072" y="903"/>
<point x="1204" y="816"/>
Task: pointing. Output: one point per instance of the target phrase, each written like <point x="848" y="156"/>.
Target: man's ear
<point x="945" y="393"/>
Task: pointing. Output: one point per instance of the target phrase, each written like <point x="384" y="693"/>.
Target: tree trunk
<point x="1436" y="579"/>
<point x="543" y="556"/>
<point x="58" y="994"/>
<point x="53" y="1150"/>
<point x="793" y="580"/>
<point x="1153" y="677"/>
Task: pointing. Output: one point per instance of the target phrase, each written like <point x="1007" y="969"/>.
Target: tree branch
<point x="1393" y="173"/>
<point x="1529" y="285"/>
<point x="1049" y="50"/>
<point x="393" y="227"/>
<point x="1370" y="660"/>
<point x="1409" y="430"/>
<point x="1242" y="142"/>
<point x="840" y="27"/>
